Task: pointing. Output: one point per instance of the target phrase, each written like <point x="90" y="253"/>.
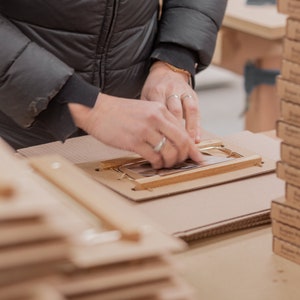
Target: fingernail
<point x="197" y="139"/>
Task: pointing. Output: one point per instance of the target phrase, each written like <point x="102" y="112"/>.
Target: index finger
<point x="190" y="104"/>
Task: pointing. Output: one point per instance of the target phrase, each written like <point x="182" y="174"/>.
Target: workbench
<point x="250" y="44"/>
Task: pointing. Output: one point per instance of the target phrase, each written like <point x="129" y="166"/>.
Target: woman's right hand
<point x="138" y="126"/>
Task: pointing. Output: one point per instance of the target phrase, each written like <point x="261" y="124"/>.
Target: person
<point x="70" y="68"/>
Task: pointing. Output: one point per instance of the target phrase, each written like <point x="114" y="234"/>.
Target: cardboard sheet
<point x="218" y="171"/>
<point x="196" y="213"/>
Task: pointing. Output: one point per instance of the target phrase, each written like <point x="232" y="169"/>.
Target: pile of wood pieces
<point x="58" y="242"/>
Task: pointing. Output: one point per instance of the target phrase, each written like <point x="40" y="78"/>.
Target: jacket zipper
<point x="107" y="40"/>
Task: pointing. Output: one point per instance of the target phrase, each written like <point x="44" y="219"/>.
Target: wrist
<point x="187" y="75"/>
<point x="81" y="113"/>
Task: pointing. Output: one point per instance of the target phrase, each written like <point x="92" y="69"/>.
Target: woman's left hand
<point x="173" y="90"/>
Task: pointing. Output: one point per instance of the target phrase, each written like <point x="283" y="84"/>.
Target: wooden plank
<point x="87" y="192"/>
<point x="232" y="165"/>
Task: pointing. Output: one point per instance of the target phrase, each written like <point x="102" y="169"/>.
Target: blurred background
<point x="222" y="100"/>
<point x="238" y="91"/>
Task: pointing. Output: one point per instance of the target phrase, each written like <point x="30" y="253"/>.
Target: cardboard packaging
<point x="195" y="213"/>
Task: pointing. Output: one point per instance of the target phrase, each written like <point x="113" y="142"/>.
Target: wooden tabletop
<point x="240" y="265"/>
<point x="259" y="20"/>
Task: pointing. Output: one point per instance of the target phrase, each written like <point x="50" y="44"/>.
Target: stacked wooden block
<point x="285" y="212"/>
<point x="53" y="247"/>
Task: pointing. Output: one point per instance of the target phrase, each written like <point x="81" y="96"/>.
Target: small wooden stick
<point x="117" y="162"/>
<point x="209" y="143"/>
<point x="228" y="166"/>
<point x="121" y="161"/>
<point x="88" y="193"/>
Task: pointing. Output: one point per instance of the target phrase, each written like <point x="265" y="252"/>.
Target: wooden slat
<point x="120" y="161"/>
<point x="87" y="192"/>
<point x="229" y="166"/>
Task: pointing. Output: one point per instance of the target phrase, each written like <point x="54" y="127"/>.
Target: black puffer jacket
<point x="108" y="42"/>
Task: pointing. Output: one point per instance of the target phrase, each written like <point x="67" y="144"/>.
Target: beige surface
<point x="238" y="265"/>
<point x="260" y="20"/>
<point x="249" y="165"/>
<point x="222" y="204"/>
<point x="241" y="266"/>
<point x="196" y="212"/>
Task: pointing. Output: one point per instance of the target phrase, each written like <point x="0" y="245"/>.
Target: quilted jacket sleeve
<point x="29" y="75"/>
<point x="191" y="24"/>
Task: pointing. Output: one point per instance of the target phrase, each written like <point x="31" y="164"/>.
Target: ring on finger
<point x="173" y="96"/>
<point x="184" y="96"/>
<point x="160" y="145"/>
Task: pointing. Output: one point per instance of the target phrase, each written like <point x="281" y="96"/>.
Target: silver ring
<point x="159" y="146"/>
<point x="171" y="96"/>
<point x="186" y="96"/>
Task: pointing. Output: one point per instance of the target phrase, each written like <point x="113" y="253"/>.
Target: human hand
<point x="173" y="90"/>
<point x="146" y="128"/>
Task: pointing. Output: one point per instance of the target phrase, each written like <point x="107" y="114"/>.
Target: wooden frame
<point x="134" y="178"/>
